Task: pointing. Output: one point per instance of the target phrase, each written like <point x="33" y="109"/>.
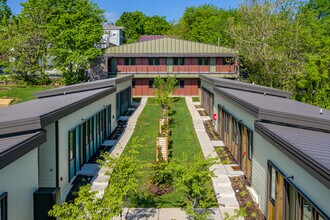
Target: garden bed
<point x="224" y="155"/>
<point x="209" y="128"/>
<point x="202" y="113"/>
<point x="79" y="181"/>
<point x="183" y="139"/>
<point x="244" y="198"/>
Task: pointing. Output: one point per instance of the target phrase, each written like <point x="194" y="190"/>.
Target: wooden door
<point x="244" y="150"/>
<point x="279" y="202"/>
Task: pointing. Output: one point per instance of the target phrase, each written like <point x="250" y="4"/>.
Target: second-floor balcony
<point x="187" y="69"/>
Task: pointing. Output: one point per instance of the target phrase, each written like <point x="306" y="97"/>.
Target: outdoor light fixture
<point x="290" y="177"/>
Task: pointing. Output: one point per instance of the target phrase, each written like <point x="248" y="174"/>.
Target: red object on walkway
<point x="214" y="116"/>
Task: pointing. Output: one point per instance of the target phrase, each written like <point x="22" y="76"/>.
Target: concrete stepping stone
<point x="217" y="143"/>
<point x="142" y="213"/>
<point x="196" y="103"/>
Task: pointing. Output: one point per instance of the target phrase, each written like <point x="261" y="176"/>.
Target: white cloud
<point x="111" y="16"/>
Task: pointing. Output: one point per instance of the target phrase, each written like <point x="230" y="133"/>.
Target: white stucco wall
<point x="123" y="85"/>
<point x="264" y="151"/>
<point x="70" y="122"/>
<point x="47" y="159"/>
<point x="20" y="179"/>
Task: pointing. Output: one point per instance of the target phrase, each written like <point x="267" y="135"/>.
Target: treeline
<point x="283" y="44"/>
<point x="50" y="34"/>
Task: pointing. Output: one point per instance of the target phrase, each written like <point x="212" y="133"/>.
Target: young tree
<point x="193" y="180"/>
<point x="85" y="206"/>
<point x="124" y="173"/>
<point x="164" y="91"/>
<point x="75" y="31"/>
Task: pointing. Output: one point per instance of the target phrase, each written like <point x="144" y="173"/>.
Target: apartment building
<point x="161" y="56"/>
<point x="281" y="145"/>
<point x="45" y="142"/>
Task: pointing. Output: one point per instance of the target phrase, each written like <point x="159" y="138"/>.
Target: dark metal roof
<point x="272" y="108"/>
<point x="150" y="37"/>
<point x="14" y="147"/>
<point x="37" y="113"/>
<point x="309" y="148"/>
<point x="99" y="84"/>
<point x="232" y="84"/>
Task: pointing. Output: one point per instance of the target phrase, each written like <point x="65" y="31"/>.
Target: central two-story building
<point x="162" y="56"/>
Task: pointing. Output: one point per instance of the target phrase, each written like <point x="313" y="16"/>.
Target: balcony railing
<point x="187" y="69"/>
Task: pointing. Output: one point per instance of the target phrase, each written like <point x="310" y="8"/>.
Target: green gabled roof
<point x="170" y="46"/>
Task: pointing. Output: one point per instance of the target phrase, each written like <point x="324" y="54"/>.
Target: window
<point x="199" y="83"/>
<point x="203" y="61"/>
<point x="306" y="210"/>
<point x="272" y="184"/>
<point x="178" y="61"/>
<point x="228" y="61"/>
<point x="250" y="143"/>
<point x="154" y="61"/>
<point x="151" y="83"/>
<point x="129" y="61"/>
<point x="181" y="83"/>
<point x="133" y="83"/>
<point x="3" y="207"/>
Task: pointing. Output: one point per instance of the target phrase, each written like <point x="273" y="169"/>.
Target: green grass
<point x="20" y="94"/>
<point x="195" y="99"/>
<point x="184" y="139"/>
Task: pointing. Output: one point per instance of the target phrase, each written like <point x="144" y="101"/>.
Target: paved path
<point x="221" y="183"/>
<point x="225" y="195"/>
<point x="100" y="181"/>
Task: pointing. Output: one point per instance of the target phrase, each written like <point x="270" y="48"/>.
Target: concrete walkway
<point x="221" y="183"/>
<point x="100" y="181"/>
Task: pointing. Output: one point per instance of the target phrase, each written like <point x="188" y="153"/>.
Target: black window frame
<point x="178" y="61"/>
<point x="181" y="83"/>
<point x="271" y="198"/>
<point x="151" y="83"/>
<point x="4" y="206"/>
<point x="250" y="144"/>
<point x="153" y="61"/>
<point x="203" y="61"/>
<point x="129" y="61"/>
<point x="133" y="83"/>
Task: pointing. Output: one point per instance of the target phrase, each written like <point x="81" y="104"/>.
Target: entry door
<point x="275" y="195"/>
<point x="244" y="151"/>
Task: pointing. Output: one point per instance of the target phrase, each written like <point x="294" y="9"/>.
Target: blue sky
<point x="172" y="9"/>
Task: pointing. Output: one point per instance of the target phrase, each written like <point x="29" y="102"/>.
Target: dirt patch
<point x="244" y="198"/>
<point x="4" y="89"/>
<point x="209" y="128"/>
<point x="160" y="191"/>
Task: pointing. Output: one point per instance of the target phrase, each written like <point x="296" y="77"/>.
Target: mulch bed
<point x="160" y="191"/>
<point x="80" y="180"/>
<point x="202" y="113"/>
<point x="225" y="156"/>
<point x="244" y="198"/>
<point x="198" y="106"/>
<point x="213" y="135"/>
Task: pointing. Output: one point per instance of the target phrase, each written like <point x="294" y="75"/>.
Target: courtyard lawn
<point x="20" y="94"/>
<point x="183" y="138"/>
<point x="195" y="99"/>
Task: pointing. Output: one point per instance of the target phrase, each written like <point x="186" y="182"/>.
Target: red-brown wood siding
<point x="142" y="88"/>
